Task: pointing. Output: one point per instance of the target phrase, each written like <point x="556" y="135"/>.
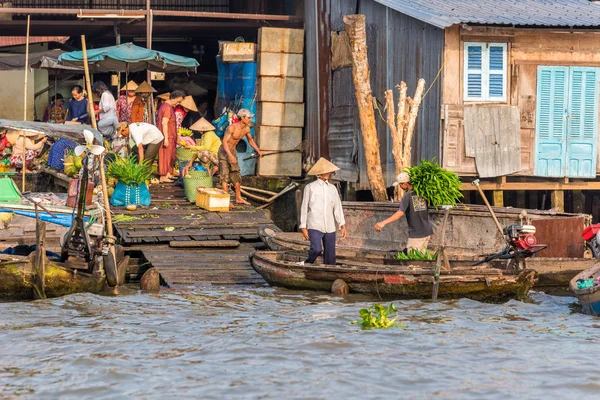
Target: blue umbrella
<point x="128" y="57"/>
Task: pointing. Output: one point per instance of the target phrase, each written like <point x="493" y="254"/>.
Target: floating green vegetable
<point x="435" y="184"/>
<point x="415" y="255"/>
<point x="376" y="317"/>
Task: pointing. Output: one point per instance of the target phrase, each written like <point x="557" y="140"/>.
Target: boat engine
<point x="521" y="243"/>
<point x="591" y="235"/>
<point x="521" y="236"/>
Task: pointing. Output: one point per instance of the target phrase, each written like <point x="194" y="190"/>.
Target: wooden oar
<point x="109" y="260"/>
<point x="441" y="253"/>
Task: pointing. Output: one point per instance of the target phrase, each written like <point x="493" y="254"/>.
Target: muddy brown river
<point x="266" y="343"/>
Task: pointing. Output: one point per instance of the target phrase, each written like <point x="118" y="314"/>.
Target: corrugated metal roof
<point x="443" y="13"/>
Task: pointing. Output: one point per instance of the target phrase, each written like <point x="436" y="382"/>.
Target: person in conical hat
<point x="321" y="214"/>
<point x="140" y="111"/>
<point x="323" y="166"/>
<point x="130" y="86"/>
<point x="125" y="102"/>
<point x="182" y="110"/>
<point x="416" y="212"/>
<point x="207" y="146"/>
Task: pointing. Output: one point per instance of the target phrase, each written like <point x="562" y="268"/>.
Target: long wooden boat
<point x="16" y="279"/>
<point x="588" y="297"/>
<point x="554" y="273"/>
<point x="408" y="280"/>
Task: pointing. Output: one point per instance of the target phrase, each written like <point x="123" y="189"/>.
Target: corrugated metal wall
<point x="400" y="48"/>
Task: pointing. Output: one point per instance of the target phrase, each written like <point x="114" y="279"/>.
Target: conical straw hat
<point x="145" y="88"/>
<point x="131" y="86"/>
<point x="164" y="96"/>
<point x="188" y="102"/>
<point x="202" y="125"/>
<point x="323" y="166"/>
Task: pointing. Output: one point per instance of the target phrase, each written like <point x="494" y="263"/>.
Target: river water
<point x="268" y="343"/>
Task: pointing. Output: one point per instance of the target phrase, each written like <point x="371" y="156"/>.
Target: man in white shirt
<point x="145" y="139"/>
<point x="321" y="213"/>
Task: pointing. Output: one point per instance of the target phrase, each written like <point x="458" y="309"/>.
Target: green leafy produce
<point x="435" y="184"/>
<point x="378" y="317"/>
<point x="416" y="254"/>
<point x="128" y="170"/>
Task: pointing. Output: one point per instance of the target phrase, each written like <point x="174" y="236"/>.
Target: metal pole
<point x="24" y="168"/>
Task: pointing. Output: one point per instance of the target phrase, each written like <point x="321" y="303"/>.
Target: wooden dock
<point x="172" y="218"/>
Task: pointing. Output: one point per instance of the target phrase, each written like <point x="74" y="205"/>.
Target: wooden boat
<point x="394" y="278"/>
<point x="588" y="297"/>
<point x="554" y="273"/>
<point x="17" y="279"/>
<point x="83" y="247"/>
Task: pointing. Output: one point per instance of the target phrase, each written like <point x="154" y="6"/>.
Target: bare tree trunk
<point x="414" y="110"/>
<point x="356" y="29"/>
<point x="401" y="122"/>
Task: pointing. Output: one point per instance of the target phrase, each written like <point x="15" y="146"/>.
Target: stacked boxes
<point x="280" y="110"/>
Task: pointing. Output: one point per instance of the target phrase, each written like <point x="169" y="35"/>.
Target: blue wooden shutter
<point x="496" y="72"/>
<point x="474" y="71"/>
<point x="551" y="126"/>
<point x="582" y="135"/>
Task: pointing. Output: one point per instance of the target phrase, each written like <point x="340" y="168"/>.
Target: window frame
<point x="485" y="72"/>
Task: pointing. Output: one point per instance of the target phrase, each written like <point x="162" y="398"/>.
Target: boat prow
<point x="589" y="297"/>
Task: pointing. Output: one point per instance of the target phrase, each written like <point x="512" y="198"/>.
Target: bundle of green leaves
<point x="435" y="184"/>
<point x="129" y="171"/>
<point x="376" y="317"/>
<point x="416" y="255"/>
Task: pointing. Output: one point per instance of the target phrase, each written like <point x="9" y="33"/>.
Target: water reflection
<point x="273" y="344"/>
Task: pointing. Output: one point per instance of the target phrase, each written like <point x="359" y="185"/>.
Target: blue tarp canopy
<point x="128" y="57"/>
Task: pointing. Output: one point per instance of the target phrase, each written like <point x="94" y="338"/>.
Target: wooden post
<point x="557" y="200"/>
<point x="39" y="267"/>
<point x="24" y="169"/>
<point x="578" y="201"/>
<point x="88" y="84"/>
<point x="356" y="29"/>
<point x="498" y="195"/>
<point x="26" y="71"/>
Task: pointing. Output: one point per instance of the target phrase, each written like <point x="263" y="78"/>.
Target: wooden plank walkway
<point x="171" y="217"/>
<point x="203" y="267"/>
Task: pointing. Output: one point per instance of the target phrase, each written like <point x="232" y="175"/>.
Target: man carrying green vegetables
<point x="417" y="215"/>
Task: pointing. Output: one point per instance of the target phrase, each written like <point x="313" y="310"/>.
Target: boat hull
<point x="553" y="272"/>
<point x="16" y="279"/>
<point x="589" y="297"/>
<point x="411" y="281"/>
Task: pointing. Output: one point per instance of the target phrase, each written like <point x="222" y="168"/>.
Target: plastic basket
<point x="183" y="153"/>
<point x="194" y="180"/>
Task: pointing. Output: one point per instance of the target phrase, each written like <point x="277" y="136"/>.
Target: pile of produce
<point x="435" y="184"/>
<point x="416" y="255"/>
<point x="129" y="171"/>
<point x="72" y="163"/>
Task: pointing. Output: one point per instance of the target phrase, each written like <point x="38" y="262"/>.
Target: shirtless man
<point x="228" y="163"/>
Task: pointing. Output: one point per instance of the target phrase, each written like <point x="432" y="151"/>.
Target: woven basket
<point x="193" y="181"/>
<point x="183" y="153"/>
